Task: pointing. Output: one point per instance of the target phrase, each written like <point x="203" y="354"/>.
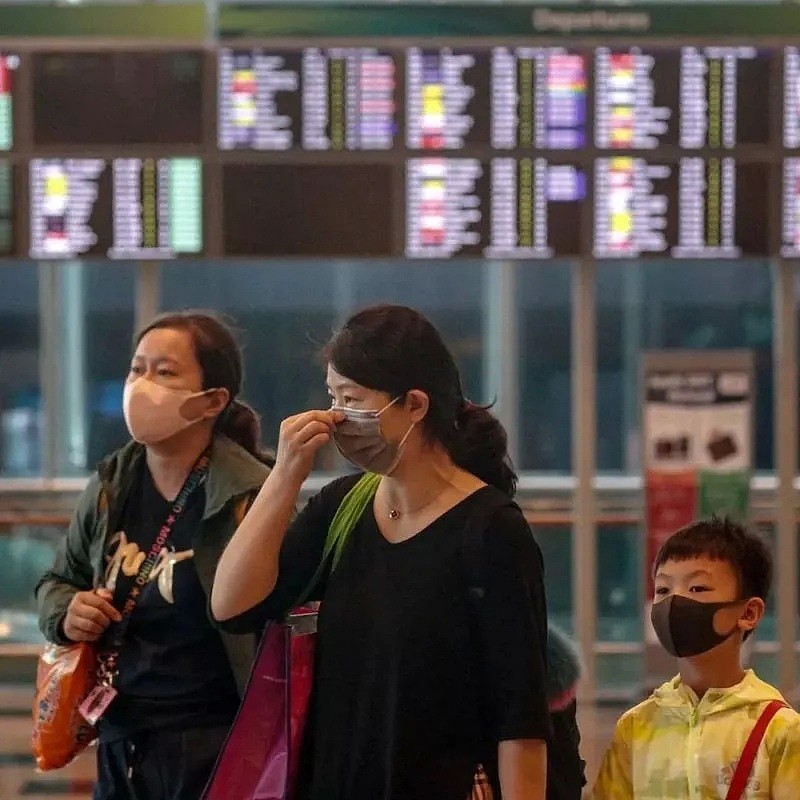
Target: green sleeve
<point x="72" y="569"/>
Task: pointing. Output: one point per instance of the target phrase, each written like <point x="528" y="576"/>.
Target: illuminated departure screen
<point x="314" y="99"/>
<point x="695" y="97"/>
<point x="8" y="66"/>
<point x="693" y="208"/>
<point x="791" y="97"/>
<point x="446" y="213"/>
<point x="539" y="98"/>
<point x="471" y="144"/>
<point x="117" y="98"/>
<point x="636" y="98"/>
<point x="6" y="209"/>
<point x="124" y="208"/>
<point x="791" y="209"/>
<point x="535" y="208"/>
<point x="308" y="210"/>
<point x="724" y="97"/>
<point x="505" y="208"/>
<point x="447" y="98"/>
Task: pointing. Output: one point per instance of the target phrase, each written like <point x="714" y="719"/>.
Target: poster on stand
<point x="697" y="438"/>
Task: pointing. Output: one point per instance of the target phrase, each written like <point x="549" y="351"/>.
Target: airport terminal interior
<point x="597" y="205"/>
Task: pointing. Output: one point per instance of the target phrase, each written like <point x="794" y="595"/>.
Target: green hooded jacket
<point x="234" y="478"/>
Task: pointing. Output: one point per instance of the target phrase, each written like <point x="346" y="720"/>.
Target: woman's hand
<point x="248" y="570"/>
<point x="301" y="437"/>
<point x="88" y="616"/>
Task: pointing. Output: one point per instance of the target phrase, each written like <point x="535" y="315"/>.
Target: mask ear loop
<point x="401" y="444"/>
<point x="400" y="447"/>
<point x="389" y="405"/>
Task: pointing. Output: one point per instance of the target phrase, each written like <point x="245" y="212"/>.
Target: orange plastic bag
<point x="64" y="677"/>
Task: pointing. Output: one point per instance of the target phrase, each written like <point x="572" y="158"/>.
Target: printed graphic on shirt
<point x="725" y="778"/>
<point x="126" y="556"/>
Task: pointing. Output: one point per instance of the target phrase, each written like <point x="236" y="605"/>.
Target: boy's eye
<point x="697" y="588"/>
<point x="661" y="591"/>
<point x="166" y="373"/>
<point x="136" y="369"/>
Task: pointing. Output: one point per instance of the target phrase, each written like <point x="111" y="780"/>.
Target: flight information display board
<point x="447" y="90"/>
<point x="6" y="208"/>
<point x="693" y="208"/>
<point x="315" y="99"/>
<point x="117" y="98"/>
<point x="505" y="150"/>
<point x="539" y="98"/>
<point x="120" y="208"/>
<point x="694" y="97"/>
<point x="790" y="245"/>
<point x="535" y="208"/>
<point x="791" y="98"/>
<point x="415" y="146"/>
<point x="308" y="209"/>
<point x="8" y="67"/>
<point x="504" y="208"/>
<point x="445" y="207"/>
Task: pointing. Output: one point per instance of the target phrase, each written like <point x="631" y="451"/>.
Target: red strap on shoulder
<point x="745" y="766"/>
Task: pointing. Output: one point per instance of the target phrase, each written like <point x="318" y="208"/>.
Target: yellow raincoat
<point x="676" y="747"/>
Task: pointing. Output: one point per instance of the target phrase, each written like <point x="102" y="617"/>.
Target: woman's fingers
<point x="89" y="626"/>
<point x="310" y="430"/>
<point x="316" y="442"/>
<point x="299" y="421"/>
<point x="301" y="437"/>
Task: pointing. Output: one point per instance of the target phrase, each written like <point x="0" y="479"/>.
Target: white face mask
<point x="360" y="440"/>
<point x="153" y="412"/>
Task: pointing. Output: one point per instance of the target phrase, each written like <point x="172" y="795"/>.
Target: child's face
<point x="708" y="580"/>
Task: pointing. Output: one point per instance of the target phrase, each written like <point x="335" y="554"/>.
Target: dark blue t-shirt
<point x="174" y="671"/>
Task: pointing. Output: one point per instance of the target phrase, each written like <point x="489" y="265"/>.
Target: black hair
<point x="724" y="540"/>
<point x="220" y="358"/>
<point x="395" y="349"/>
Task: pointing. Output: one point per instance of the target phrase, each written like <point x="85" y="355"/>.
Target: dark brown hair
<point x="723" y="540"/>
<point x="220" y="358"/>
<point x="395" y="349"/>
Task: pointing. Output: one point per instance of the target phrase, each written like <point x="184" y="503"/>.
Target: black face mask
<point x="685" y="627"/>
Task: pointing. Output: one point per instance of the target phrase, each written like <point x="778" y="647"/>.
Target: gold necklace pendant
<point x="395" y="513"/>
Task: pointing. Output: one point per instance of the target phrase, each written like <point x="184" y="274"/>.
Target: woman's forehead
<point x="340" y="382"/>
<point x="166" y="343"/>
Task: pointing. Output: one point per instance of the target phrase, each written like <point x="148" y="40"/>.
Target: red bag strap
<point x="745" y="766"/>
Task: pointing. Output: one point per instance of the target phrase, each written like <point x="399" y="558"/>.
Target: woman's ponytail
<point x="480" y="446"/>
<point x="240" y="423"/>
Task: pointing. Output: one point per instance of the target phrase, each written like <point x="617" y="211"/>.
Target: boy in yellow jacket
<point x="685" y="741"/>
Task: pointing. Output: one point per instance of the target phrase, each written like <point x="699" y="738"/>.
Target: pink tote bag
<point x="259" y="759"/>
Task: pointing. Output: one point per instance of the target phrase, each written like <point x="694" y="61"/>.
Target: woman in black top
<point x="178" y="680"/>
<point x="421" y="674"/>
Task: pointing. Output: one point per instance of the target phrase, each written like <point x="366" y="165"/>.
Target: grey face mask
<point x="360" y="440"/>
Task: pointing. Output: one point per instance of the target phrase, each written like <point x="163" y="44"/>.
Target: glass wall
<point x="93" y="325"/>
<point x="545" y="378"/>
<point x="676" y="305"/>
<point x="21" y="417"/>
<point x="286" y="311"/>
